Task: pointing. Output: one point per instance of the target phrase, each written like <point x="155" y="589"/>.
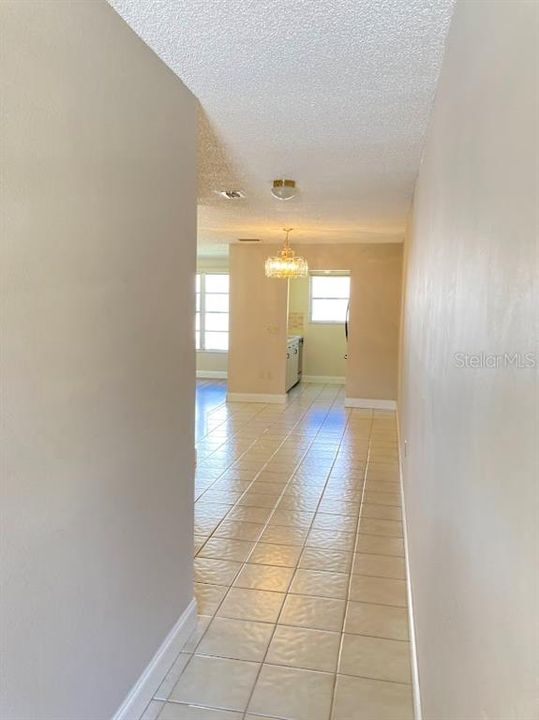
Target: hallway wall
<point x="470" y="475"/>
<point x="98" y="256"/>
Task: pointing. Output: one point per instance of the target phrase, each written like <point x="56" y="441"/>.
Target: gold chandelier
<point x="286" y="264"/>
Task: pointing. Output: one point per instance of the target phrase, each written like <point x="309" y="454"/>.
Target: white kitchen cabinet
<point x="293" y="361"/>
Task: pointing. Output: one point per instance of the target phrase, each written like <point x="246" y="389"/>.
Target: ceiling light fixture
<point x="284" y="189"/>
<point x="286" y="264"/>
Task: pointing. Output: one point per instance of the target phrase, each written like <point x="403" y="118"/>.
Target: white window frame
<point x="329" y="273"/>
<point x="202" y="311"/>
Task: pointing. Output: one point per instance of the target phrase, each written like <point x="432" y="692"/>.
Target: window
<point x="329" y="298"/>
<point x="211" y="320"/>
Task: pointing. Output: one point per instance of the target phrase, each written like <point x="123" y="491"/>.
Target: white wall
<point x="471" y="468"/>
<point x="98" y="256"/>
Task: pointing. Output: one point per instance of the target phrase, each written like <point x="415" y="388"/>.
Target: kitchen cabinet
<point x="294" y="354"/>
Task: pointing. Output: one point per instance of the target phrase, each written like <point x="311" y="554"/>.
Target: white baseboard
<point x="146" y="686"/>
<point x="327" y="379"/>
<point x="256" y="398"/>
<point x="416" y="693"/>
<point x="212" y="374"/>
<point x="370" y="404"/>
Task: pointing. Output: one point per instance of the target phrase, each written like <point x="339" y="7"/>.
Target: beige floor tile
<point x="194" y="638"/>
<point x="298" y="504"/>
<point x="264" y="577"/>
<point x="283" y="535"/>
<point x="339" y="507"/>
<point x="361" y="699"/>
<point x="383" y="621"/>
<point x="221" y="495"/>
<point x="381" y="512"/>
<point x="226" y="549"/>
<point x="379" y="545"/>
<point x="152" y="710"/>
<point x="326" y="521"/>
<point x="330" y="539"/>
<point x="215" y="572"/>
<point x="216" y="682"/>
<point x="381" y="498"/>
<point x="257" y="605"/>
<point x="374" y="526"/>
<point x="375" y="658"/>
<point x="273" y="478"/>
<point x="313" y="612"/>
<point x="389" y="479"/>
<point x="247" y="465"/>
<point x="272" y="554"/>
<point x="383" y="473"/>
<point x="322" y="584"/>
<point x="260" y="500"/>
<point x="236" y="639"/>
<point x="173" y="711"/>
<point x="290" y="517"/>
<point x="172" y="677"/>
<point x="209" y="597"/>
<point x="304" y="648"/>
<point x="249" y="514"/>
<point x="198" y="542"/>
<point x="239" y="485"/>
<point x="205" y="526"/>
<point x="239" y="530"/>
<point x="330" y="560"/>
<point x="211" y="510"/>
<point x="292" y="694"/>
<point x="382" y="591"/>
<point x="380" y="566"/>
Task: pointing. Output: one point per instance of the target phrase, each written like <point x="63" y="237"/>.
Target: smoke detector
<point x="284" y="189"/>
<point x="231" y="194"/>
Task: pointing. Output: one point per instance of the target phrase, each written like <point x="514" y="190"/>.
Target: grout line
<point x="312" y="595"/>
<point x="347" y="598"/>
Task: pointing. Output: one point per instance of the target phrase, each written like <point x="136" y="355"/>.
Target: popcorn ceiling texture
<point x="335" y="94"/>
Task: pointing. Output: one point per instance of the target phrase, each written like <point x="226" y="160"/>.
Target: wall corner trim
<point x="370" y="404"/>
<point x="153" y="675"/>
<point x="212" y="374"/>
<point x="416" y="693"/>
<point x="327" y="379"/>
<point x="256" y="398"/>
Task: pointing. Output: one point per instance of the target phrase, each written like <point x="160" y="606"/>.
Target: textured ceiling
<point x="335" y="94"/>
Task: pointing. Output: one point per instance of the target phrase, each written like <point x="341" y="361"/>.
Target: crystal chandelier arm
<point x="287" y="230"/>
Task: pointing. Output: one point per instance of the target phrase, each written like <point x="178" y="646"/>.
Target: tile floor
<point x="300" y="574"/>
